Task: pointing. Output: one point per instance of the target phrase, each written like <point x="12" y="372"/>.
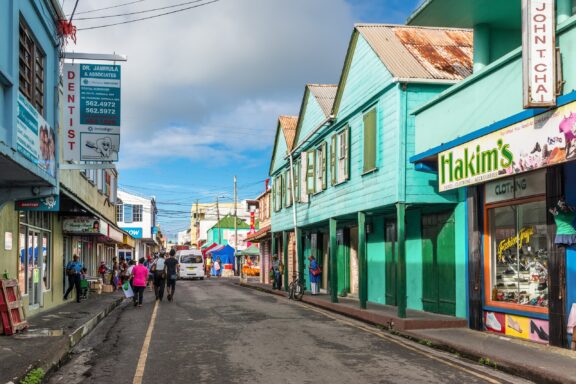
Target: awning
<point x="250" y="251"/>
<point x="259" y="235"/>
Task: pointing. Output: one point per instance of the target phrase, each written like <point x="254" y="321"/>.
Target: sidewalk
<point x="51" y="335"/>
<point x="532" y="361"/>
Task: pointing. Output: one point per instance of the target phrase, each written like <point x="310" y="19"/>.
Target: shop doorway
<point x="390" y="253"/>
<point x="354" y="276"/>
<point x="438" y="263"/>
<point x="343" y="242"/>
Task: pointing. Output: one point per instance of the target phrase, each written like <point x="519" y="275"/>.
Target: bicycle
<point x="296" y="289"/>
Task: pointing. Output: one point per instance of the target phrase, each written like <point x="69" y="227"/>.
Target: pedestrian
<point x="131" y="265"/>
<point x="123" y="270"/>
<point x="278" y="268"/>
<point x="159" y="268"/>
<point x="114" y="275"/>
<point x="172" y="269"/>
<point x="73" y="270"/>
<point x="208" y="266"/>
<point x="139" y="275"/>
<point x="84" y="285"/>
<point x="315" y="275"/>
<point x="217" y="267"/>
<point x="102" y="270"/>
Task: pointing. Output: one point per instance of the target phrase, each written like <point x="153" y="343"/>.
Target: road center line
<point x="139" y="375"/>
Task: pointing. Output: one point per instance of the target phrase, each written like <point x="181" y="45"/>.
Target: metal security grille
<point x="31" y="59"/>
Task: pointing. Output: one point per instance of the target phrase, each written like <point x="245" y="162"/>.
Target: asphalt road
<point x="218" y="332"/>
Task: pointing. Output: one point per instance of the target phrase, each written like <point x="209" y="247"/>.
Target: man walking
<point x="73" y="269"/>
<point x="172" y="269"/>
<point x="159" y="276"/>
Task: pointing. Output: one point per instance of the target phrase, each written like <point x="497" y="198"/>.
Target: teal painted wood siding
<point x="312" y="117"/>
<point x="280" y="152"/>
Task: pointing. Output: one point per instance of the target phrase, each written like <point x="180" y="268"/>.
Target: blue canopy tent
<point x="226" y="256"/>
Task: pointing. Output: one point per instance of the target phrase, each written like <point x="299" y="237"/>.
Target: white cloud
<point x="195" y="81"/>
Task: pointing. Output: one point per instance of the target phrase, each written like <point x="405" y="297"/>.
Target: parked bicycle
<point x="296" y="288"/>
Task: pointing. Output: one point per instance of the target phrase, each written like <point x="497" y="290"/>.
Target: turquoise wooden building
<point x="347" y="189"/>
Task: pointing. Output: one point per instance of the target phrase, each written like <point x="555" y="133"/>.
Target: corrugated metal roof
<point x="288" y="125"/>
<point x="325" y="95"/>
<point x="421" y="52"/>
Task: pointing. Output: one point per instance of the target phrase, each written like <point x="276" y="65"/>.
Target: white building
<point x="205" y="215"/>
<point x="137" y="216"/>
<point x="184" y="237"/>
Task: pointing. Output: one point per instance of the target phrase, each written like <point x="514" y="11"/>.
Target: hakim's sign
<point x="539" y="53"/>
<point x="538" y="142"/>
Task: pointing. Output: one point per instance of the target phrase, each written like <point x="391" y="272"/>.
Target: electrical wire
<point x="139" y="12"/>
<point x="113" y="6"/>
<point x="147" y="18"/>
<point x="73" y="11"/>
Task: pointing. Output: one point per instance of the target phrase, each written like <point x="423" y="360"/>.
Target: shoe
<point x="510" y="271"/>
<point x="169" y="297"/>
<point x="492" y="322"/>
<point x="513" y="324"/>
<point x="542" y="335"/>
<point x="536" y="148"/>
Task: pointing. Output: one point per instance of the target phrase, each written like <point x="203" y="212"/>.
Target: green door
<point x="439" y="273"/>
<point x="391" y="251"/>
<point x="343" y="241"/>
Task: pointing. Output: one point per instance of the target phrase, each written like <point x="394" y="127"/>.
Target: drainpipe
<point x="563" y="10"/>
<point x="481" y="46"/>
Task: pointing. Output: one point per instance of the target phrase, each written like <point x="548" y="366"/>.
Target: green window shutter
<point x="281" y="192"/>
<point x="310" y="172"/>
<point x="273" y="195"/>
<point x="288" y="178"/>
<point x="333" y="159"/>
<point x="370" y="140"/>
<point x="324" y="168"/>
<point x="296" y="181"/>
<point x="347" y="153"/>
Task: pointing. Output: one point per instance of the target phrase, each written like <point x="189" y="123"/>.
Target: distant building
<point x="137" y="216"/>
<point x="205" y="215"/>
<point x="223" y="232"/>
<point x="184" y="237"/>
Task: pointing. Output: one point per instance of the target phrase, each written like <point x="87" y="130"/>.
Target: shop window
<point x="31" y="68"/>
<point x="519" y="253"/>
<point x="370" y="140"/>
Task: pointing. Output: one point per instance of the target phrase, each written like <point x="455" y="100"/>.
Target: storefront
<point x="519" y="177"/>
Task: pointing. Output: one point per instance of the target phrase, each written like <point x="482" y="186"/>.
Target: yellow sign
<point x="523" y="237"/>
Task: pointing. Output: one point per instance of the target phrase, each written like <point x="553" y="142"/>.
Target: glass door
<point x="34" y="268"/>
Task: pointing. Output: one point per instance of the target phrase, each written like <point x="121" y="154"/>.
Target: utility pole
<point x="197" y="222"/>
<point x="218" y="218"/>
<point x="236" y="225"/>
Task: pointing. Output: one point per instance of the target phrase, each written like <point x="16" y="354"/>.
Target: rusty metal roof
<point x="421" y="52"/>
<point x="325" y="95"/>
<point x="288" y="125"/>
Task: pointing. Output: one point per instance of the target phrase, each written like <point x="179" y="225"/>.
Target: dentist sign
<point x="91" y="112"/>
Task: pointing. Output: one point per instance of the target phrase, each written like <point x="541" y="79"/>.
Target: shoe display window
<point x="516" y="259"/>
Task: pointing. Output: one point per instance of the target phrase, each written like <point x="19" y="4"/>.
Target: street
<point x="218" y="332"/>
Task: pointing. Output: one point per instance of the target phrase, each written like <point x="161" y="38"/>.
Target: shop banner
<point x="42" y="204"/>
<point x="538" y="142"/>
<point x="134" y="232"/>
<point x="539" y="53"/>
<point x="85" y="225"/>
<point x="91" y="112"/>
<point x="35" y="139"/>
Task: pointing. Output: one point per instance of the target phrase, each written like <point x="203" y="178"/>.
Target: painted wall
<point x="88" y="193"/>
<point x="311" y="118"/>
<point x="376" y="262"/>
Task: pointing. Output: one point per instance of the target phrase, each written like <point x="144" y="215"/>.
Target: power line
<point x="113" y="6"/>
<point x="139" y="12"/>
<point x="147" y="18"/>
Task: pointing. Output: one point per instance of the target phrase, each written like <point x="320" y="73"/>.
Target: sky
<point x="202" y="89"/>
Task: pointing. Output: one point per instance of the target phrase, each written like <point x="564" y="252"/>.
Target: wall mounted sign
<point x="45" y="204"/>
<point x="134" y="232"/>
<point x="35" y="139"/>
<point x="525" y="185"/>
<point x="85" y="225"/>
<point x="7" y="241"/>
<point x="91" y="112"/>
<point x="539" y="53"/>
<point x="538" y="142"/>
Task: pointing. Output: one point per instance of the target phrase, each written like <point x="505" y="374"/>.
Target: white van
<point x="191" y="264"/>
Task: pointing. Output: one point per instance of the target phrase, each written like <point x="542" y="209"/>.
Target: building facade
<point x="520" y="274"/>
<point x="347" y="191"/>
<point x="262" y="237"/>
<point x="205" y="215"/>
<point x="137" y="216"/>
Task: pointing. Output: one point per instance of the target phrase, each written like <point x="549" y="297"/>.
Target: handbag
<point x="316" y="272"/>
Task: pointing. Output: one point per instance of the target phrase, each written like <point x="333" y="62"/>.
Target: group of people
<point x="314" y="272"/>
<point x="212" y="267"/>
<point x="160" y="272"/>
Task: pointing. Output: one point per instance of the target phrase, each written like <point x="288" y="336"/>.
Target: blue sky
<point x="202" y="89"/>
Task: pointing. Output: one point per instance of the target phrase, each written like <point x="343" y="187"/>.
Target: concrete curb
<point x="523" y="371"/>
<point x="72" y="340"/>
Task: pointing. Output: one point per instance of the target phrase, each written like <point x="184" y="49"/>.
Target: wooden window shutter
<point x="296" y="181"/>
<point x="347" y="152"/>
<point x="323" y="167"/>
<point x="310" y="172"/>
<point x="303" y="177"/>
<point x="370" y="140"/>
<point x="333" y="150"/>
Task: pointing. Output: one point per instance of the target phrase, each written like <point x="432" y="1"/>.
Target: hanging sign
<point x="45" y="204"/>
<point x="91" y="112"/>
<point x="538" y="142"/>
<point x="85" y="225"/>
<point x="35" y="139"/>
<point x="539" y="53"/>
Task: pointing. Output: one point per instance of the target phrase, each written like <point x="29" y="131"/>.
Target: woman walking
<point x="315" y="273"/>
<point x="139" y="277"/>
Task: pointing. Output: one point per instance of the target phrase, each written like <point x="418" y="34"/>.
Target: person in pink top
<point x="139" y="277"/>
